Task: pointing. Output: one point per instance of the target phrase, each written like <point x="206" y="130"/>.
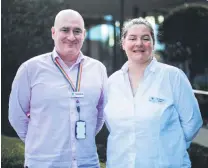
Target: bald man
<point x="57" y="100"/>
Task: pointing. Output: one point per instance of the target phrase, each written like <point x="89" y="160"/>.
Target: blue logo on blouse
<point x="156" y="100"/>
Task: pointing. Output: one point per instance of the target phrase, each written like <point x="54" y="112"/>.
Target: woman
<point x="152" y="114"/>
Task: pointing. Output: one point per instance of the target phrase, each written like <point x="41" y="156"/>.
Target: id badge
<point x="77" y="94"/>
<point x="80" y="129"/>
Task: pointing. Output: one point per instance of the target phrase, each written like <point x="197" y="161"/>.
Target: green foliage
<point x="12" y="153"/>
<point x="102" y="165"/>
<point x="184" y="32"/>
<point x="26" y="27"/>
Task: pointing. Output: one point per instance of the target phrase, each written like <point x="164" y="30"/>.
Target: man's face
<point x="68" y="35"/>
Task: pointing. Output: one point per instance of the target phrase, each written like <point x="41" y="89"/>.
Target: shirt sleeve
<point x="19" y="102"/>
<point x="187" y="106"/>
<point x="102" y="102"/>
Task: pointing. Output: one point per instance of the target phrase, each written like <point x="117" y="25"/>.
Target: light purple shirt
<point x="49" y="135"/>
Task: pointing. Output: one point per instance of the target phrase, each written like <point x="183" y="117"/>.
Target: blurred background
<point x="181" y="29"/>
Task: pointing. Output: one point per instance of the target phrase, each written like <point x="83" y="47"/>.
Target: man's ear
<point x="53" y="32"/>
<point x="84" y="33"/>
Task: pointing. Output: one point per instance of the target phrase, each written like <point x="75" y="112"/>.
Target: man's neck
<point x="69" y="60"/>
<point x="69" y="63"/>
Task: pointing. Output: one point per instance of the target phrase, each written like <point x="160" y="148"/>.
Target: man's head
<point x="68" y="33"/>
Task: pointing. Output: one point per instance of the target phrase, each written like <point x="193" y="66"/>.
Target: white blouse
<point x="154" y="128"/>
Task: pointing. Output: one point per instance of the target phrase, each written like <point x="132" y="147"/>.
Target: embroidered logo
<point x="156" y="100"/>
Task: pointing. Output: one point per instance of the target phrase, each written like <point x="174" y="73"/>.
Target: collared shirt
<point x="154" y="128"/>
<point x="49" y="135"/>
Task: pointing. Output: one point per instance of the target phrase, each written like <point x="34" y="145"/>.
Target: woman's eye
<point x="146" y="38"/>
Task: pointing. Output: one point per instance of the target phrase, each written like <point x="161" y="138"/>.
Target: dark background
<point x="26" y="33"/>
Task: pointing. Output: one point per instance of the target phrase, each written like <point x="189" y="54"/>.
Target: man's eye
<point x="65" y="30"/>
<point x="77" y="31"/>
<point x="132" y="39"/>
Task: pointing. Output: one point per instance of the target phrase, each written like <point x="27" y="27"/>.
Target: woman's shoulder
<point x="172" y="73"/>
<point x="115" y="76"/>
<point x="167" y="68"/>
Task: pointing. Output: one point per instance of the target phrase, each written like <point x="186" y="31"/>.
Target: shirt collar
<point x="79" y="59"/>
<point x="150" y="68"/>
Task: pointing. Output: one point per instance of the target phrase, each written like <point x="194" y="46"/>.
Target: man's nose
<point x="71" y="36"/>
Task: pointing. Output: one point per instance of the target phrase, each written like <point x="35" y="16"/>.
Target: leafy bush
<point x="199" y="156"/>
<point x="12" y="153"/>
<point x="184" y="33"/>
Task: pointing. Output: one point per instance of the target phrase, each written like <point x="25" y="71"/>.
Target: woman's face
<point x="138" y="43"/>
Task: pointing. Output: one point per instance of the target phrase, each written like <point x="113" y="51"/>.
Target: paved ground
<point x="202" y="137"/>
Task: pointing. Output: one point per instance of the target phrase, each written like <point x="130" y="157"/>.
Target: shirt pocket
<point x="153" y="107"/>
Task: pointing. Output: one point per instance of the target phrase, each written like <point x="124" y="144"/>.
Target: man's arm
<point x="19" y="102"/>
<point x="102" y="101"/>
<point x="187" y="107"/>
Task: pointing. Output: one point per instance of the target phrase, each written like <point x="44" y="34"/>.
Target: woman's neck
<point x="137" y="69"/>
<point x="136" y="73"/>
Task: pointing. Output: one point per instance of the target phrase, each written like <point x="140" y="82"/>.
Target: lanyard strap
<point x="79" y="74"/>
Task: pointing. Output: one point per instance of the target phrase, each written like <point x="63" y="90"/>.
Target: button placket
<point x="73" y="116"/>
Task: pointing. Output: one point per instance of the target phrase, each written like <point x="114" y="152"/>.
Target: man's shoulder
<point x="94" y="61"/>
<point x="38" y="58"/>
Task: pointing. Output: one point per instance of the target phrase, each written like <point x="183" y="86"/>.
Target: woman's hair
<point x="136" y="21"/>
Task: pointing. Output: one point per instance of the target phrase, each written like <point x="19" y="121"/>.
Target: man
<point x="57" y="100"/>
